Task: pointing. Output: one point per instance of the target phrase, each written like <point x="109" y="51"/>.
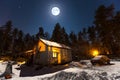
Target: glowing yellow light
<point x="95" y="52"/>
<point x="54" y="50"/>
<point x="54" y="54"/>
<point x="1" y="61"/>
<point x="21" y="62"/>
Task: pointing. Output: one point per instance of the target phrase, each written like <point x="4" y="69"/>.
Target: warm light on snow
<point x="23" y="62"/>
<point x="1" y="61"/>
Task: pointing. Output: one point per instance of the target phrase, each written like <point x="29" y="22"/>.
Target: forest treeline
<point x="103" y="35"/>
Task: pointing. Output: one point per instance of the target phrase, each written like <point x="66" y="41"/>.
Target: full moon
<point x="55" y="11"/>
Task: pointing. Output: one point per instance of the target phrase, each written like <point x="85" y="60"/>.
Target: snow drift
<point x="83" y="75"/>
<point x="77" y="72"/>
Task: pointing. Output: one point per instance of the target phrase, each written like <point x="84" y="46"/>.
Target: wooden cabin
<point x="48" y="52"/>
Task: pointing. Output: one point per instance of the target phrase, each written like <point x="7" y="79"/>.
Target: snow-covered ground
<point x="74" y="71"/>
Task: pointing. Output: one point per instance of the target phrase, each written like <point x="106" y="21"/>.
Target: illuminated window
<point x="54" y="54"/>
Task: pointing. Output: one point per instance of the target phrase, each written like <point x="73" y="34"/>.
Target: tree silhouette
<point x="14" y="39"/>
<point x="56" y="35"/>
<point x="7" y="37"/>
<point x="103" y="26"/>
<point x="47" y="35"/>
<point x="40" y="34"/>
<point x="59" y="35"/>
<point x="1" y="40"/>
<point x="73" y="38"/>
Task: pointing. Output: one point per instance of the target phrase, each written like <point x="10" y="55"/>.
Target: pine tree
<point x="14" y="39"/>
<point x="64" y="37"/>
<point x="56" y="35"/>
<point x="40" y="34"/>
<point x="7" y="37"/>
<point x="103" y="26"/>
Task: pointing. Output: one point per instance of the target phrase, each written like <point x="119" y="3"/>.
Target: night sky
<point x="29" y="15"/>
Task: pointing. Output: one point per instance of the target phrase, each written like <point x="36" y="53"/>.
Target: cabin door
<point x="59" y="58"/>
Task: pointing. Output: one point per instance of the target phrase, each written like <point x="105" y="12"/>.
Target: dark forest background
<point x="103" y="35"/>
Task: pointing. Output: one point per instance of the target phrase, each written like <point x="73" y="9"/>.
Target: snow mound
<point x="75" y="64"/>
<point x="83" y="75"/>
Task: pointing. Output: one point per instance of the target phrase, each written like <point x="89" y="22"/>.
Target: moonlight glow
<point x="55" y="11"/>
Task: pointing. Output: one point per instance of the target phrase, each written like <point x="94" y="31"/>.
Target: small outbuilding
<point x="48" y="52"/>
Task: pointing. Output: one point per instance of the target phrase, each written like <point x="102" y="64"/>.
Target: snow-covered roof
<point x="55" y="44"/>
<point x="99" y="57"/>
